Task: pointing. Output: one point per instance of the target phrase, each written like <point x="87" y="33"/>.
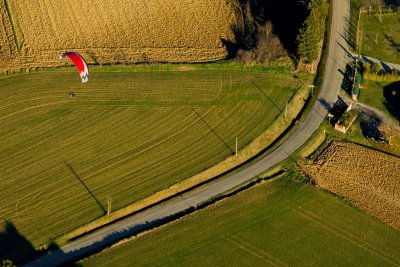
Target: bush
<point x="376" y="72"/>
<point x="366" y="67"/>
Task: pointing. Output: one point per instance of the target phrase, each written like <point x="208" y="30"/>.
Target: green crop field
<point x="280" y="223"/>
<point x="381" y="40"/>
<point x="125" y="135"/>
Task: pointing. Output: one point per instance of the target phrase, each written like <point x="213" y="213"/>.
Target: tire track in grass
<point x="66" y="202"/>
<point x="149" y="145"/>
<point x="262" y="252"/>
<point x="38" y="144"/>
<point x="346" y="235"/>
<point x="254" y="251"/>
<point x="151" y="163"/>
<point x="156" y="163"/>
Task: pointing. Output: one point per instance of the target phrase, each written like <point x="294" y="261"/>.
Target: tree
<point x="312" y="31"/>
<point x="366" y="67"/>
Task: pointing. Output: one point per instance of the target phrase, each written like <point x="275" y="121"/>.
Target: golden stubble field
<point x="367" y="178"/>
<point x="123" y="31"/>
<point x="8" y="49"/>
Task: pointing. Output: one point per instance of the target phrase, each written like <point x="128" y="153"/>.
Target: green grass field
<point x="124" y="135"/>
<point x="381" y="40"/>
<point x="372" y="94"/>
<point x="281" y="223"/>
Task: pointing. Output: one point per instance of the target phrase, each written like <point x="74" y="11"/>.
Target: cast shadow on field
<point x="71" y="168"/>
<point x="13" y="245"/>
<point x="16" y="248"/>
<point x="391" y="94"/>
<point x="112" y="238"/>
<point x="369" y="125"/>
<point x="392" y="2"/>
<point x="336" y="110"/>
<point x="325" y="104"/>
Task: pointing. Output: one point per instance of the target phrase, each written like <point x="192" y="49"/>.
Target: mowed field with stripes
<point x="125" y="135"/>
<point x="278" y="223"/>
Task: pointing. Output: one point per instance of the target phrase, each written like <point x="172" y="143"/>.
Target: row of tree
<point x="311" y="35"/>
<point x="376" y="72"/>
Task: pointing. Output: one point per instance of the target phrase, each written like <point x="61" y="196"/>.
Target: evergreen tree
<point x="312" y="31"/>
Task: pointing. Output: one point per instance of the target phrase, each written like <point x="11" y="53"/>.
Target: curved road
<point x="328" y="94"/>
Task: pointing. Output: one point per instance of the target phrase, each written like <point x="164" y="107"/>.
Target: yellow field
<point x="122" y="31"/>
<point x="8" y="49"/>
<point x="368" y="178"/>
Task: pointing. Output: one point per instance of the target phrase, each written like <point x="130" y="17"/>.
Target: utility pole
<point x="358" y="32"/>
<point x="380" y="14"/>
<point x="236" y="146"/>
<point x="286" y="111"/>
<point x="108" y="206"/>
<point x="312" y="89"/>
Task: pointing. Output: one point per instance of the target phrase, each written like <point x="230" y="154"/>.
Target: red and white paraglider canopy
<point x="79" y="63"/>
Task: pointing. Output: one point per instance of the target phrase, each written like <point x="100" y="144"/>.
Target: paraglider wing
<point x="79" y="63"/>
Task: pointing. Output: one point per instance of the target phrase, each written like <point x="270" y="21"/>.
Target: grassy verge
<point x="280" y="222"/>
<point x="316" y="140"/>
<point x="279" y="67"/>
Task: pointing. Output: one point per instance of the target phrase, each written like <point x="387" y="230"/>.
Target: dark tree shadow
<point x="336" y="110"/>
<point x="13" y="245"/>
<point x="347" y="83"/>
<point x="325" y="104"/>
<point x="369" y="124"/>
<point x="231" y="47"/>
<point x="392" y="2"/>
<point x="286" y="17"/>
<point x="391" y="93"/>
<point x="386" y="67"/>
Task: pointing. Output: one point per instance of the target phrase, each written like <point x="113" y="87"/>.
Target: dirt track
<point x="367" y="178"/>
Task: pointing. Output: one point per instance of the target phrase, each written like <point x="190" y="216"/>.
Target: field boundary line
<point x="261" y="257"/>
<point x="343" y="233"/>
<point x="247" y="244"/>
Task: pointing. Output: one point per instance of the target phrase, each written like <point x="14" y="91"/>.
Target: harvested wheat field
<point x="8" y="49"/>
<point x="368" y="178"/>
<point x="123" y="31"/>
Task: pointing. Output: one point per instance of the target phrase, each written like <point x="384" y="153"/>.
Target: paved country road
<point x="328" y="94"/>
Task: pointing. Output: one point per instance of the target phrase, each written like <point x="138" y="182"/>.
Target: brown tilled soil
<point x="367" y="178"/>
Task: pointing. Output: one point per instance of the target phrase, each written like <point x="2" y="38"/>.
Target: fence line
<point x="376" y="10"/>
